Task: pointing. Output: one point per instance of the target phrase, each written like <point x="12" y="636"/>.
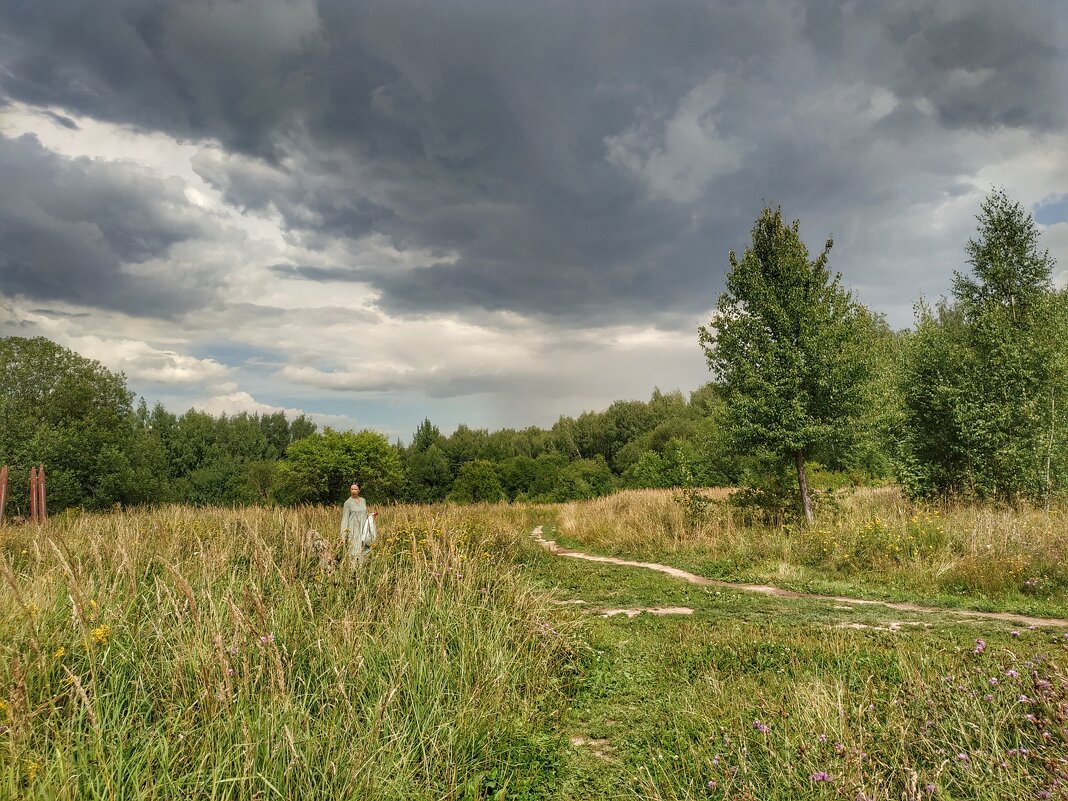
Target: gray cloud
<point x="588" y="161"/>
<point x="72" y="229"/>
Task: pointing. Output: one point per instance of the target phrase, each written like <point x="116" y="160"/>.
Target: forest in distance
<point x="970" y="402"/>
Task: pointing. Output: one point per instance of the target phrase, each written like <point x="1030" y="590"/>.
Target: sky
<point x="493" y="212"/>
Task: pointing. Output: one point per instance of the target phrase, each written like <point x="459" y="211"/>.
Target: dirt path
<point x="778" y="592"/>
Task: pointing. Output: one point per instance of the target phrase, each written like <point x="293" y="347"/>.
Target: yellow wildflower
<point x="101" y="634"/>
<point x="32" y="769"/>
<point x="3" y="705"/>
<point x="60" y="652"/>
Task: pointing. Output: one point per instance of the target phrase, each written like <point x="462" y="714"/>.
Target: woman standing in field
<point x="357" y="526"/>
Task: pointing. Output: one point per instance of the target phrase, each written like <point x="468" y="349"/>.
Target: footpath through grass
<point x="872" y="544"/>
<point x="762" y="698"/>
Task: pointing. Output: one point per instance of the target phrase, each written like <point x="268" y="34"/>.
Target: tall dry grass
<point x="200" y="653"/>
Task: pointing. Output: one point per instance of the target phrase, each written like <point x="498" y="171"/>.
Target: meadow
<point x="183" y="652"/>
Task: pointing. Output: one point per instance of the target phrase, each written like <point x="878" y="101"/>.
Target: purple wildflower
<point x="761" y="727"/>
<point x="1012" y="674"/>
<point x="711" y="784"/>
<point x="821" y="776"/>
<point x="823" y="738"/>
<point x="980" y="646"/>
<point x="993" y="682"/>
<point x="1014" y="633"/>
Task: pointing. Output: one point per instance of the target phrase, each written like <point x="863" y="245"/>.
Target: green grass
<point x="447" y="668"/>
<point x="670" y="695"/>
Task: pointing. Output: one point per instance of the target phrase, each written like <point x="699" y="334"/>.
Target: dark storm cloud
<point x="71" y="228"/>
<point x="980" y="63"/>
<point x="588" y="160"/>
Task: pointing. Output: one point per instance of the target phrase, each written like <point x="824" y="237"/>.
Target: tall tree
<point x="985" y="382"/>
<point x="787" y="343"/>
<point x="76" y="417"/>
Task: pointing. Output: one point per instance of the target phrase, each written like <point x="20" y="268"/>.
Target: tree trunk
<point x="802" y="485"/>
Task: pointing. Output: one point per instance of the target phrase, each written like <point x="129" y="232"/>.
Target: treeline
<point x="810" y="389"/>
<point x="100" y="449"/>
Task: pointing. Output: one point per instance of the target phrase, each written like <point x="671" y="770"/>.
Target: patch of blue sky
<point x="237" y="354"/>
<point x="1052" y="210"/>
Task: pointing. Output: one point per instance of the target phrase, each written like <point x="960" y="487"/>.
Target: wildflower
<point x="988" y="697"/>
<point x="823" y="738"/>
<point x="1014" y="633"/>
<point x="980" y="646"/>
<point x="821" y="776"/>
<point x="1012" y="674"/>
<point x="59" y="652"/>
<point x="1046" y="735"/>
<point x="267" y="638"/>
<point x="993" y="682"/>
<point x="1042" y="684"/>
<point x="929" y="789"/>
<point x="32" y="769"/>
<point x="715" y="759"/>
<point x="711" y="784"/>
<point x="1032" y="627"/>
<point x="3" y="705"/>
<point x="1030" y="718"/>
<point x="962" y="757"/>
<point x="101" y="634"/>
<point x="1023" y="699"/>
<point x="761" y="727"/>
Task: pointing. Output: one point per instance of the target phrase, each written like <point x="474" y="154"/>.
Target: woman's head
<point x="354" y="490"/>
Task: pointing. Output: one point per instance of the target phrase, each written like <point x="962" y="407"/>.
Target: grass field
<point x="200" y="653"/>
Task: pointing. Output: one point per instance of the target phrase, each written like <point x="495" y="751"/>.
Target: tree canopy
<point x="786" y="342"/>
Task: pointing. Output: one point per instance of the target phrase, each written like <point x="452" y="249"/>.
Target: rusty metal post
<point x="33" y="494"/>
<point x="3" y="492"/>
<point x="42" y="504"/>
